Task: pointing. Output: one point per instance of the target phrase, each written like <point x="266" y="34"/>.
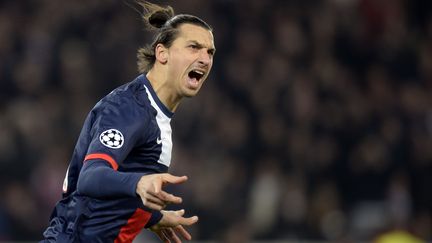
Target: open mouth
<point x="196" y="74"/>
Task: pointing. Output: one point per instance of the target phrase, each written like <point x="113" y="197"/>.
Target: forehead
<point x="190" y="32"/>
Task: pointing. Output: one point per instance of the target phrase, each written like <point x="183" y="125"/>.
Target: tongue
<point x="193" y="82"/>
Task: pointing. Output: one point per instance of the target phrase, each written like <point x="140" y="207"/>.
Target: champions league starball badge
<point x="112" y="138"/>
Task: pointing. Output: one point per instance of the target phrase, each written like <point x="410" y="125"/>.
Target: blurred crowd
<point x="315" y="123"/>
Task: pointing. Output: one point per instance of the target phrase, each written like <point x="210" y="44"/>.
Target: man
<point x="113" y="186"/>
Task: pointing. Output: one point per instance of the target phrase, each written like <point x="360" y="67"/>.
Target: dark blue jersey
<point x="125" y="136"/>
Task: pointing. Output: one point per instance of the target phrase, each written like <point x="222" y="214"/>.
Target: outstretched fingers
<point x="179" y="229"/>
<point x="149" y="188"/>
<point x="167" y="178"/>
<point x="183" y="232"/>
<point x="171" y="228"/>
<point x="172" y="236"/>
<point x="152" y="202"/>
<point x="188" y="221"/>
<point x="179" y="220"/>
<point x="162" y="195"/>
<point x="162" y="236"/>
<point x="152" y="198"/>
<point x="167" y="197"/>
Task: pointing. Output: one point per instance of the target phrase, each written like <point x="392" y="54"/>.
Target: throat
<point x="168" y="97"/>
<point x="165" y="92"/>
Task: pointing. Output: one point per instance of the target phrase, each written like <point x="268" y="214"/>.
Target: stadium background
<point x="315" y="124"/>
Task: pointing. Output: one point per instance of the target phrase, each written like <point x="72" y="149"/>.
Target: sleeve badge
<point x="112" y="138"/>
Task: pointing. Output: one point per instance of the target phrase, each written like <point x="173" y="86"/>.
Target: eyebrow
<point x="211" y="49"/>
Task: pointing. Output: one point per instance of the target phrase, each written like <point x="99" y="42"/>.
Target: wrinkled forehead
<point x="191" y="32"/>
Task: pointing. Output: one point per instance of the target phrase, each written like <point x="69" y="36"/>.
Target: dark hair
<point x="166" y="24"/>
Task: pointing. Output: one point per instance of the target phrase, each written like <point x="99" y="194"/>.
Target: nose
<point x="205" y="58"/>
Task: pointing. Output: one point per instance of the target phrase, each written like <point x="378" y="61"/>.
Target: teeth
<point x="197" y="74"/>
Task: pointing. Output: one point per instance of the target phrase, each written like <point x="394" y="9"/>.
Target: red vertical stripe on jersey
<point x="134" y="225"/>
<point x="105" y="157"/>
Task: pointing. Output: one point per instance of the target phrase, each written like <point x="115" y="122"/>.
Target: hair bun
<point x="158" y="19"/>
<point x="156" y="16"/>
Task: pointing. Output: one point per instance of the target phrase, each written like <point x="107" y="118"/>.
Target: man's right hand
<point x="149" y="188"/>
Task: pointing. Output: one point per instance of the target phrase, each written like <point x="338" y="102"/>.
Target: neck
<point x="163" y="89"/>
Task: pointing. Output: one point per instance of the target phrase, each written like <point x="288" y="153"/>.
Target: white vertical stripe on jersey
<point x="165" y="127"/>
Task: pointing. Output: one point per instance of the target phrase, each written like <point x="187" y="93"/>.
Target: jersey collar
<point x="159" y="103"/>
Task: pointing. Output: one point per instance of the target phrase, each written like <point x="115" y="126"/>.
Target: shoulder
<point x="125" y="106"/>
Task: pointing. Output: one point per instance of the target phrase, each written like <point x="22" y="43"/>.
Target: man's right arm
<point x="99" y="180"/>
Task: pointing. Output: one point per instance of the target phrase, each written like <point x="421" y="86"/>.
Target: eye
<point x="194" y="46"/>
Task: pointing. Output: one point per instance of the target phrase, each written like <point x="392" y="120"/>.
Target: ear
<point x="161" y="53"/>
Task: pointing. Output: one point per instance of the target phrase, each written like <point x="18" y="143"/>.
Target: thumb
<point x="188" y="221"/>
<point x="180" y="212"/>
